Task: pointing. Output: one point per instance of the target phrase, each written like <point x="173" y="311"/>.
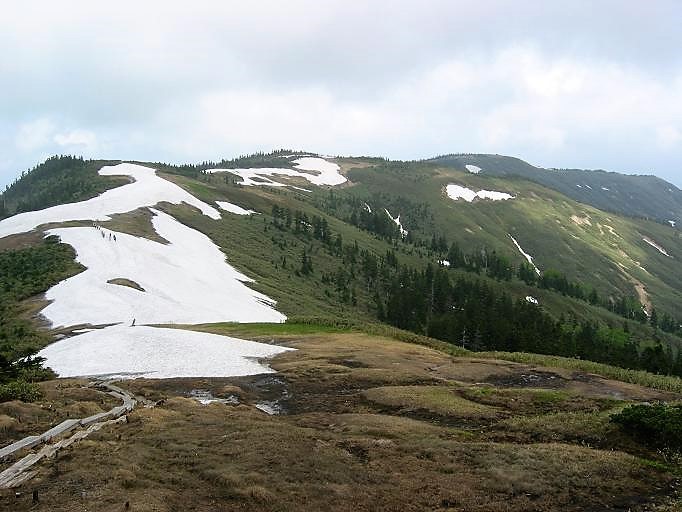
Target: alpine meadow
<point x="341" y="256"/>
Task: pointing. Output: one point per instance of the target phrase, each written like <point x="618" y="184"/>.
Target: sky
<point x="570" y="84"/>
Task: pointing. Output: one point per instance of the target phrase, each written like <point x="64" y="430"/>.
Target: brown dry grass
<point x="351" y="441"/>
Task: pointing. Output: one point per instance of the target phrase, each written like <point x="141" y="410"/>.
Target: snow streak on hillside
<point x="317" y="171"/>
<point x="396" y="220"/>
<point x="528" y="257"/>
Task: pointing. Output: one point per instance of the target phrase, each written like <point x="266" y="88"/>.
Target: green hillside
<point x="641" y="196"/>
<point x="333" y="254"/>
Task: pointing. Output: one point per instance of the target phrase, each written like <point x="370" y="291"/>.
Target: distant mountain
<point x="642" y="196"/>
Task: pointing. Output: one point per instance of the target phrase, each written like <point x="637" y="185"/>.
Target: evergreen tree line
<point x="489" y="262"/>
<point x="464" y="310"/>
<point x="470" y="313"/>
<point x="23" y="274"/>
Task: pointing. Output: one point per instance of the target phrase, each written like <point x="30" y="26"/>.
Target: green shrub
<point x="658" y="425"/>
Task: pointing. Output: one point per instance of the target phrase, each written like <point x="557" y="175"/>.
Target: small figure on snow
<point x="133" y="324"/>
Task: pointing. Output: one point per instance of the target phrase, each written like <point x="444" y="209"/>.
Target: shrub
<point x="20" y="390"/>
<point x="658" y="425"/>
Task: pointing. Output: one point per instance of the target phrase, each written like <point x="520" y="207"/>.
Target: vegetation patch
<point x="121" y="281"/>
<point x="658" y="425"/>
<point x="439" y="400"/>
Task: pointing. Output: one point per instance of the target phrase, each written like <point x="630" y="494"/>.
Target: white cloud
<point x="76" y="138"/>
<point x="34" y="135"/>
<point x="559" y="84"/>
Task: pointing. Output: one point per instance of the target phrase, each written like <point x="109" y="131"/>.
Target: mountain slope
<point x="310" y="240"/>
<point x="647" y="197"/>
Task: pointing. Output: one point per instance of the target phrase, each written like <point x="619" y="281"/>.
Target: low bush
<point x="658" y="425"/>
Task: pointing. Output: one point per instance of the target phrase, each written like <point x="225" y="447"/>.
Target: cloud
<point x="562" y="85"/>
<point x="72" y="138"/>
<point x="34" y="135"/>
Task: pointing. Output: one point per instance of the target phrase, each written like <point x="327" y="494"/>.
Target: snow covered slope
<point x="125" y="352"/>
<point x="319" y="172"/>
<point x="186" y="281"/>
<point x="147" y="190"/>
<point x="130" y="278"/>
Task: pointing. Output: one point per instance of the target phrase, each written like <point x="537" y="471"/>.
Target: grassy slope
<point x="254" y="247"/>
<point x="540" y="219"/>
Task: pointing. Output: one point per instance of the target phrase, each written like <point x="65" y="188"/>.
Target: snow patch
<point x="606" y="189"/>
<point x="528" y="257"/>
<point x="656" y="246"/>
<point x="131" y="352"/>
<point x="473" y="169"/>
<point x="147" y="190"/>
<point x="459" y="192"/>
<point x="367" y="207"/>
<point x="445" y="263"/>
<point x="403" y="231"/>
<point x="233" y="208"/>
<point x="672" y="223"/>
<point x="186" y="281"/>
<point x="325" y="173"/>
<point x="532" y="300"/>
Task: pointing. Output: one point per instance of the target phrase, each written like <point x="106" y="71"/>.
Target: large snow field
<point x="325" y="173"/>
<point x="473" y="169"/>
<point x="528" y="257"/>
<point x="459" y="192"/>
<point x="147" y="190"/>
<point x="129" y="352"/>
<point x="185" y="281"/>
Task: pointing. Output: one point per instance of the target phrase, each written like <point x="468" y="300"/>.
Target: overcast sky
<point x="593" y="84"/>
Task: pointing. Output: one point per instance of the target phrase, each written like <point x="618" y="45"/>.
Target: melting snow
<point x="525" y="254"/>
<point x="147" y="190"/>
<point x="326" y="173"/>
<point x="187" y="281"/>
<point x="672" y="223"/>
<point x="457" y="191"/>
<point x="656" y="246"/>
<point x="473" y="169"/>
<point x="366" y="206"/>
<point x="403" y="231"/>
<point x="445" y="263"/>
<point x="130" y="352"/>
<point x="233" y="208"/>
<point x="531" y="299"/>
<point x="604" y="188"/>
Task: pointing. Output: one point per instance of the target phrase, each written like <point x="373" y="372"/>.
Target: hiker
<point x="133" y="324"/>
<point x="114" y="238"/>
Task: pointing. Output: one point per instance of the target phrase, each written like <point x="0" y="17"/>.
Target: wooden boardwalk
<point x="22" y="470"/>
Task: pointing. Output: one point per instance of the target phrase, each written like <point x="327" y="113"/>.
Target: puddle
<point x="204" y="397"/>
<point x="272" y="408"/>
